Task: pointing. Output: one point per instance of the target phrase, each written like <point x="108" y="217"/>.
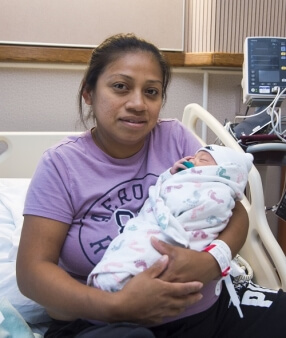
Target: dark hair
<point x="107" y="52"/>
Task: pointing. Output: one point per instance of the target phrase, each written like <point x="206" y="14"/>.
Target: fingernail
<point x="164" y="258"/>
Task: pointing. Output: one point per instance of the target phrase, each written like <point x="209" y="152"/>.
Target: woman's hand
<point x="147" y="299"/>
<point x="186" y="264"/>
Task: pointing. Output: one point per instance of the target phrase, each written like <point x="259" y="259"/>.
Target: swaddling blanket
<point x="188" y="209"/>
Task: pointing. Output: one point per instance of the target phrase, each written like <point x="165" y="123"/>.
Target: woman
<point x="86" y="188"/>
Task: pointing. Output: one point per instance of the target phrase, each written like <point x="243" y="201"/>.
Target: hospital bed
<point x="261" y="250"/>
<point x="19" y="155"/>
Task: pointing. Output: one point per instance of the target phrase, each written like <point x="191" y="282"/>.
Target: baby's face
<point x="202" y="158"/>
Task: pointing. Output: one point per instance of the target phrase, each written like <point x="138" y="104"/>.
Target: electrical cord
<point x="275" y="207"/>
<point x="246" y="267"/>
<point x="276" y="116"/>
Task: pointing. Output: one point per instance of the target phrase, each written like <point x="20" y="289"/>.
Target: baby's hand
<point x="179" y="164"/>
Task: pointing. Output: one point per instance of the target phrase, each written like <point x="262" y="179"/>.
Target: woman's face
<point x="126" y="102"/>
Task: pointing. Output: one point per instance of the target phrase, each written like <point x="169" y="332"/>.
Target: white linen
<point x="12" y="197"/>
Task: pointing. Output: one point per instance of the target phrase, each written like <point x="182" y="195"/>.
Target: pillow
<point x="12" y="197"/>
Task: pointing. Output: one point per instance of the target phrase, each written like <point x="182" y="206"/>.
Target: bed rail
<point x="21" y="151"/>
<point x="261" y="249"/>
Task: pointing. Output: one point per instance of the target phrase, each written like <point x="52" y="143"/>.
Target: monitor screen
<point x="269" y="75"/>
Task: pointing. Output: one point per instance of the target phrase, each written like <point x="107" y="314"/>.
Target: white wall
<point x="35" y="97"/>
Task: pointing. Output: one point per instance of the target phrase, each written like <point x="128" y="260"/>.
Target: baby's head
<point x="213" y="154"/>
<point x="202" y="158"/>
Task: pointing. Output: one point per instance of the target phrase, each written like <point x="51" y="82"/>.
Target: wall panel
<point x="88" y="22"/>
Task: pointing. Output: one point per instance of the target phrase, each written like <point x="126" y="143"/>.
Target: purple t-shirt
<point x="78" y="184"/>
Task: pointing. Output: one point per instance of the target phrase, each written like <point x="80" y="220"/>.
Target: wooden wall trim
<point x="213" y="60"/>
<point x="49" y="54"/>
<point x="11" y="53"/>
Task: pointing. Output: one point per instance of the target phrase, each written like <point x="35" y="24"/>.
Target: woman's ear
<point x="87" y="97"/>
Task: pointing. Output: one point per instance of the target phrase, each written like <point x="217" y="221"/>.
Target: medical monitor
<point x="264" y="69"/>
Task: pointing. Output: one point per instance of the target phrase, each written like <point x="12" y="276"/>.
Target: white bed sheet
<point x="19" y="156"/>
<point x="12" y="196"/>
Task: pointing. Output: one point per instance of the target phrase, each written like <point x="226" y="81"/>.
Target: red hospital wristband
<point x="221" y="252"/>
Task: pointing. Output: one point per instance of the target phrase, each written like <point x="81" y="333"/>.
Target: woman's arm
<point x="188" y="265"/>
<point x="235" y="233"/>
<point x="41" y="279"/>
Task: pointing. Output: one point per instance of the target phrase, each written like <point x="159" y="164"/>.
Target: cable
<point x="275" y="207"/>
<point x="273" y="103"/>
<point x="246" y="267"/>
<point x="276" y="116"/>
<point x="262" y="111"/>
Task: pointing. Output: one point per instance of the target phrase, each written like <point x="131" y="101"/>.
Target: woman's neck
<point x="115" y="149"/>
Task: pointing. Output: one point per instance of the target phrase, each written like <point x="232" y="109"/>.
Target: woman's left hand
<point x="186" y="265"/>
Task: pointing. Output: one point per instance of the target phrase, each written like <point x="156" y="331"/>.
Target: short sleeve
<point x="49" y="193"/>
